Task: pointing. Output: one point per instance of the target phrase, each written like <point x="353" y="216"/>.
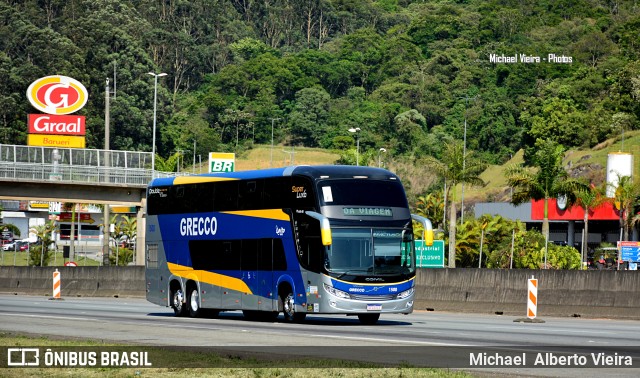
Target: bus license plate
<point x="374" y="307"/>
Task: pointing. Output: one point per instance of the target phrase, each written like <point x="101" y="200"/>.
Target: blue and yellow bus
<point x="296" y="240"/>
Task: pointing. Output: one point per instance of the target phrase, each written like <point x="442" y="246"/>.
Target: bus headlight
<point x="406" y="293"/>
<point x="338" y="293"/>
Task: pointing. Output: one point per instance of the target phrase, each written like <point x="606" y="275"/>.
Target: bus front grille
<point x="373" y="297"/>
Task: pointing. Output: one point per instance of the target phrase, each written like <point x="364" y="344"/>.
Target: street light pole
<point x="381" y="150"/>
<point x="155" y="100"/>
<point x="356" y="131"/>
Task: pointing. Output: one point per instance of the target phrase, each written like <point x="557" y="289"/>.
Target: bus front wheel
<point x="193" y="302"/>
<point x="177" y="302"/>
<point x="289" y="309"/>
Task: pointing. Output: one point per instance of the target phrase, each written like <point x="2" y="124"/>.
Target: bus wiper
<point x="348" y="272"/>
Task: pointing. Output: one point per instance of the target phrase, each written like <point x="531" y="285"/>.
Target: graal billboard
<point x="57" y="96"/>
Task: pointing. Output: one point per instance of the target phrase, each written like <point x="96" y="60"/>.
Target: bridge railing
<point x="75" y="165"/>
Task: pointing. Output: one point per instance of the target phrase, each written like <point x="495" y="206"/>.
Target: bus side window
<point x="265" y="258"/>
<point x="279" y="259"/>
<point x="271" y="255"/>
<point x="229" y="255"/>
<point x="275" y="192"/>
<point x="226" y="196"/>
<point x="249" y="260"/>
<point x="250" y="195"/>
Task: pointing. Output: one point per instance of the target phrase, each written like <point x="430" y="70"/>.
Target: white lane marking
<point x="48" y="317"/>
<point x="372" y="339"/>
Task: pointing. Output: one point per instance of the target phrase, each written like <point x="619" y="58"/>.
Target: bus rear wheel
<point x="289" y="309"/>
<point x="369" y="319"/>
<point x="193" y="302"/>
<point x="177" y="302"/>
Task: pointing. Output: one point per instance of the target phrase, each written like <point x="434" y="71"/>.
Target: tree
<point x="456" y="169"/>
<point x="589" y="199"/>
<point x="168" y="165"/>
<point x="39" y="255"/>
<point x="129" y="227"/>
<point x="408" y="130"/>
<point x="125" y="230"/>
<point x="431" y="205"/>
<point x="308" y="120"/>
<point x="546" y="179"/>
<point x="626" y="197"/>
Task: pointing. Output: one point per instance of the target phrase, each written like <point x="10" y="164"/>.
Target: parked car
<point x="22" y="245"/>
<point x="8" y="246"/>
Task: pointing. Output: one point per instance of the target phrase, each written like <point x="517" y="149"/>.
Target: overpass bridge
<point x="72" y="175"/>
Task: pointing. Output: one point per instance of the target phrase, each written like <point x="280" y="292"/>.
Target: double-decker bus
<point x="296" y="240"/>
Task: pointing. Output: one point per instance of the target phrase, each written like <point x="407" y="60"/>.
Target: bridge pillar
<point x="142" y="228"/>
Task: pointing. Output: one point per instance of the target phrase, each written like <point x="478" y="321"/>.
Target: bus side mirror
<point x="427" y="227"/>
<point x="325" y="227"/>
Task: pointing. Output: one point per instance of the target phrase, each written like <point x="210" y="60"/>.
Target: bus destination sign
<point x="367" y="211"/>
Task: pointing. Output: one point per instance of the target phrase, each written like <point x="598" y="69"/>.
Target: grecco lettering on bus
<point x="198" y="226"/>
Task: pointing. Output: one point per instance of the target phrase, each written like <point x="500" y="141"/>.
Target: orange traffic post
<point x="532" y="303"/>
<point x="56" y="284"/>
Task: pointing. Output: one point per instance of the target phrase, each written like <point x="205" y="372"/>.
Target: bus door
<point x="155" y="293"/>
<point x="249" y="264"/>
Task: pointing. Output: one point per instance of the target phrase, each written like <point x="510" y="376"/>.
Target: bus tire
<point x="193" y="303"/>
<point x="178" y="303"/>
<point x="369" y="319"/>
<point x="289" y="309"/>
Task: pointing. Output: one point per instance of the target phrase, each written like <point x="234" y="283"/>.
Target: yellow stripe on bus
<point x="198" y="179"/>
<point x="211" y="278"/>
<point x="276" y="214"/>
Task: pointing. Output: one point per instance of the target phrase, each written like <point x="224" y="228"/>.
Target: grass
<point x="22" y="259"/>
<point x="218" y="365"/>
<point x="260" y="157"/>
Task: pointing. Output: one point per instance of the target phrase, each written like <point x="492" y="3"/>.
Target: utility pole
<point x="464" y="151"/>
<point x="105" y="227"/>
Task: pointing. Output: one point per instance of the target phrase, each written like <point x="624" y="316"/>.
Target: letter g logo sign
<point x="57" y="95"/>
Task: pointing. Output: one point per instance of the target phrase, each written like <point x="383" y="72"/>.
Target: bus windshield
<point x="367" y="251"/>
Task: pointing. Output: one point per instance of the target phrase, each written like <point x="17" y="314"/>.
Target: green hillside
<point x="408" y="75"/>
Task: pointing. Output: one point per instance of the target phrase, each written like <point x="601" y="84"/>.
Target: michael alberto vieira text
<point x="550" y="359"/>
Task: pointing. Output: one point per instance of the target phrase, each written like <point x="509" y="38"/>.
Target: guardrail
<point x="75" y="165"/>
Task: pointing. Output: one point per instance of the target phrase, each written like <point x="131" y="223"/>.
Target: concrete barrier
<point x="98" y="281"/>
<point x="607" y="294"/>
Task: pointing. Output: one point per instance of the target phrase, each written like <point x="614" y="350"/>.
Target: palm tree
<point x="168" y="165"/>
<point x="456" y="168"/>
<point x="625" y="199"/>
<point x="546" y="179"/>
<point x="430" y="206"/>
<point x="129" y="227"/>
<point x="43" y="233"/>
<point x="589" y="199"/>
